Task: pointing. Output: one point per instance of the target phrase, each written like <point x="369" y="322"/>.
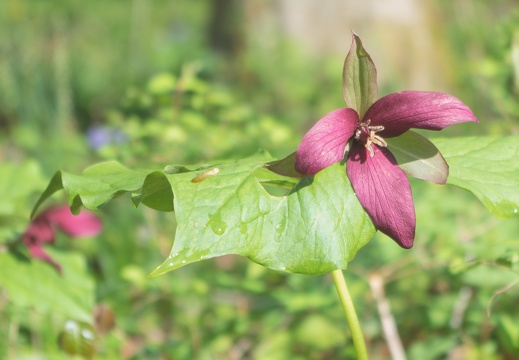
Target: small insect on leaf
<point x="201" y="177"/>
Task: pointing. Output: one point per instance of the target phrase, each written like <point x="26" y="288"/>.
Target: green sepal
<point x="359" y="78"/>
<point x="419" y="157"/>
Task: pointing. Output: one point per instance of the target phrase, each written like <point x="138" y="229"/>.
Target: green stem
<point x="351" y="315"/>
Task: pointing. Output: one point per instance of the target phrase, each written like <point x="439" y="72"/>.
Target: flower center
<point x="366" y="135"/>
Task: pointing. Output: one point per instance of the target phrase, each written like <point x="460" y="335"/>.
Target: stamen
<point x="366" y="135"/>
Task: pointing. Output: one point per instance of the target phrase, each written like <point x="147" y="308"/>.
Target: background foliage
<point x="164" y="82"/>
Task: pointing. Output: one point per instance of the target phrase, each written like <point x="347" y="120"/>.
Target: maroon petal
<point x="384" y="191"/>
<point x="324" y="144"/>
<point x="401" y="111"/>
<point x="37" y="252"/>
<point x="83" y="224"/>
<point x="38" y="232"/>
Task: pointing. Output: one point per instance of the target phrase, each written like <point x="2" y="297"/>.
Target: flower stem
<point x="351" y="315"/>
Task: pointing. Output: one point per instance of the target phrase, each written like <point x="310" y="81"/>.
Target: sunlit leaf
<point x="317" y="228"/>
<point x="486" y="166"/>
<point x="97" y="185"/>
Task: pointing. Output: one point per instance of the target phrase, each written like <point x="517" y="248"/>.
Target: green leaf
<point x="31" y="283"/>
<point x="319" y="331"/>
<point x="285" y="167"/>
<point x="162" y="84"/>
<point x="17" y="183"/>
<point x="508" y="332"/>
<point x="487" y="167"/>
<point x="359" y="78"/>
<point x="157" y="193"/>
<point x="97" y="185"/>
<point x="418" y="157"/>
<point x="224" y="209"/>
<point x="54" y="186"/>
<point x="317" y="228"/>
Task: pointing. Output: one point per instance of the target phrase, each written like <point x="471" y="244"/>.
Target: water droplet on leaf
<point x="217" y="224"/>
<point x="280" y="228"/>
<point x="243" y="228"/>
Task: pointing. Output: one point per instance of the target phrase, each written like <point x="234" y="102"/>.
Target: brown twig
<point x="460" y="306"/>
<point x="376" y="283"/>
<point x="500" y="291"/>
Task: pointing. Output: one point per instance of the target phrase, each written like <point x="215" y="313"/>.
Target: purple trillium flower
<point x="42" y="230"/>
<point x="381" y="186"/>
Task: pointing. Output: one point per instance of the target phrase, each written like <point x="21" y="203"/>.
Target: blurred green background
<point x="152" y="83"/>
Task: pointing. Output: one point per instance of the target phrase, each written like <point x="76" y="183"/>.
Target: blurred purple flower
<point x="99" y="136"/>
<point x="42" y="230"/>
